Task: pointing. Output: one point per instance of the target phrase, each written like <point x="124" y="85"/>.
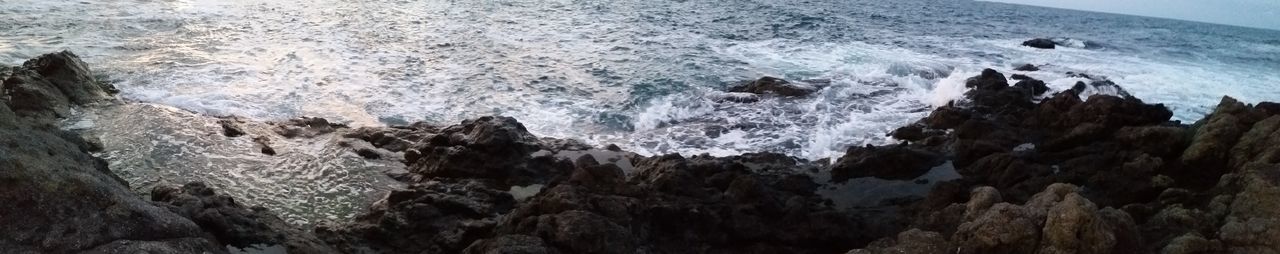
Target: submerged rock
<point x="231" y="127"/>
<point x="306" y="127"/>
<point x="772" y="85"/>
<point x="1027" y="67"/>
<point x="1039" y="43"/>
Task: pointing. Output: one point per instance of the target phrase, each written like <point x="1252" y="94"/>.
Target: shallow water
<point x="638" y="74"/>
<point x="308" y="181"/>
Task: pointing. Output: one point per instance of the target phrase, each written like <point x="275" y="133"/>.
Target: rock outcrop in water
<point x="1041" y="173"/>
<point x="1040" y="43"/>
<point x="61" y="199"/>
<point x="57" y="197"/>
<point x="772" y="85"/>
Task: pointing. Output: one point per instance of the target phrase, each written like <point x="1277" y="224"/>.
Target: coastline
<point x="1103" y="174"/>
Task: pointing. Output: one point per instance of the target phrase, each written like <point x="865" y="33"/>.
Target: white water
<point x="641" y="75"/>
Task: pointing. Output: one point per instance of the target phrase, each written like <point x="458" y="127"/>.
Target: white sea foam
<point x="591" y="71"/>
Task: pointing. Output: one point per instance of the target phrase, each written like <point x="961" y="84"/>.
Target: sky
<point x="1250" y="13"/>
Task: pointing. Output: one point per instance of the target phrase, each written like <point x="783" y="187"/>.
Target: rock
<point x="909" y="132"/>
<point x="494" y="148"/>
<point x="1192" y="243"/>
<point x="233" y="224"/>
<point x="1034" y="86"/>
<point x="988" y="80"/>
<point x="1258" y="145"/>
<point x="1114" y="112"/>
<point x="772" y="85"/>
<point x="1251" y="223"/>
<point x="1163" y="141"/>
<point x="31" y="95"/>
<point x="887" y="162"/>
<point x="1027" y="67"/>
<point x="674" y="204"/>
<point x="912" y="241"/>
<point x="71" y="76"/>
<point x="509" y="244"/>
<point x="1041" y="43"/>
<point x="584" y="232"/>
<point x="231" y="127"/>
<point x="946" y="117"/>
<point x="1019" y="77"/>
<point x="1057" y="220"/>
<point x="1217" y="134"/>
<point x="264" y="145"/>
<point x="306" y="127"/>
<point x="432" y="217"/>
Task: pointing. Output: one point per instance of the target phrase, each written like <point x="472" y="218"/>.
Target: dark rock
<point x="1217" y="134"/>
<point x="71" y="76"/>
<point x="1027" y="67"/>
<point x="368" y="153"/>
<point x="946" y="117"/>
<point x="1039" y="43"/>
<point x="909" y="132"/>
<point x="887" y="162"/>
<point x="989" y="80"/>
<point x="495" y="148"/>
<point x="1269" y="108"/>
<point x="1114" y="112"/>
<point x="1036" y="87"/>
<point x="231" y="127"/>
<point x="509" y="244"/>
<point x="306" y="127"/>
<point x="233" y="224"/>
<point x="433" y="217"/>
<point x="1257" y="146"/>
<point x="772" y="85"/>
<point x="1163" y="141"/>
<point x="264" y="145"/>
<point x="1019" y="77"/>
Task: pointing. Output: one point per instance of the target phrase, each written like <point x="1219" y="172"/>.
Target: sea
<point x="648" y="76"/>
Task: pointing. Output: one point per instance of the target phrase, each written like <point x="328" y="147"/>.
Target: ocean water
<point x="641" y="74"/>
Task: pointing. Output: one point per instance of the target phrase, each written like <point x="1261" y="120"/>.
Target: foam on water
<point x="643" y="75"/>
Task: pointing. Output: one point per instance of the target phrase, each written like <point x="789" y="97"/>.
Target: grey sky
<point x="1251" y="13"/>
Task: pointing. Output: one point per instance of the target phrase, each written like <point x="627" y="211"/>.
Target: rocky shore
<point x="1038" y="173"/>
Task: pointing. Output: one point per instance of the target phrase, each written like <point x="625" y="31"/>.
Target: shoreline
<point x="1105" y="174"/>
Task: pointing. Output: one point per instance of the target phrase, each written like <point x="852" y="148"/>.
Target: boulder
<point x="988" y="80"/>
<point x="495" y="148"/>
<point x="432" y="217"/>
<point x="1041" y="43"/>
<point x="231" y="127"/>
<point x="772" y="85"/>
<point x="1027" y="67"/>
<point x="1217" y="133"/>
<point x="1033" y="86"/>
<point x="306" y="127"/>
<point x="1057" y="220"/>
<point x="886" y="162"/>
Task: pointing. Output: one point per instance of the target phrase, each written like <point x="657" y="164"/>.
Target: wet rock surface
<point x="772" y="85"/>
<point x="1040" y="43"/>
